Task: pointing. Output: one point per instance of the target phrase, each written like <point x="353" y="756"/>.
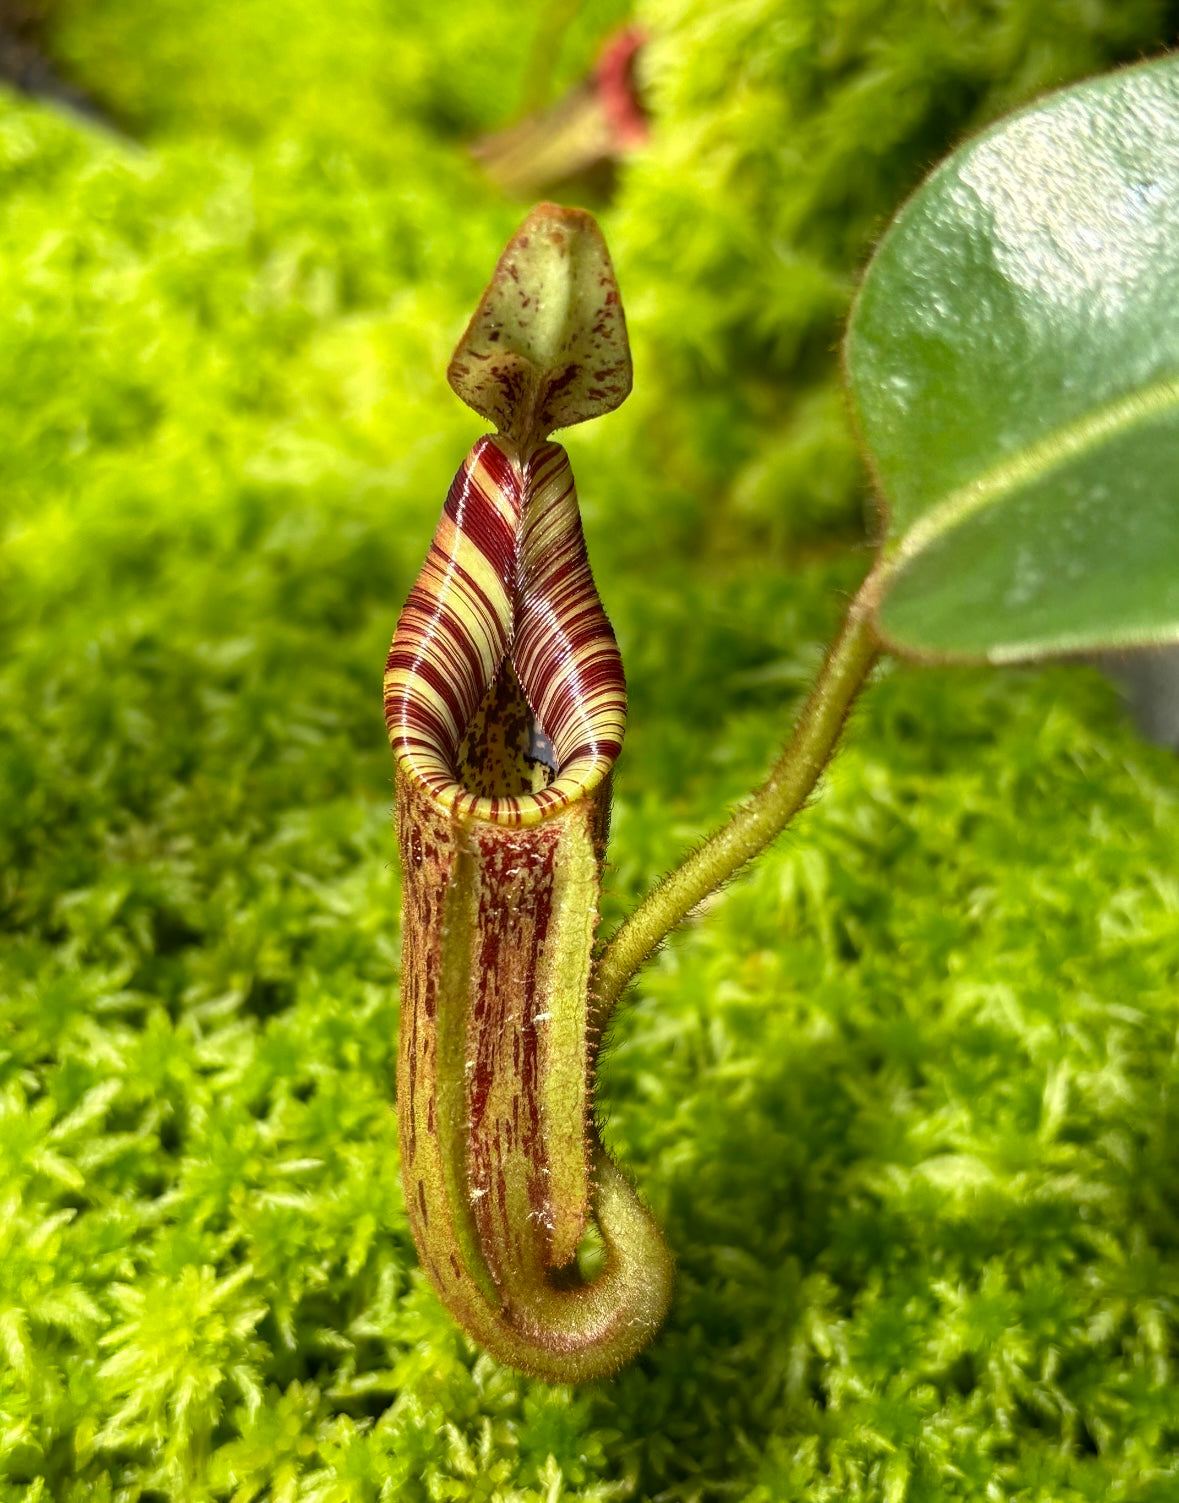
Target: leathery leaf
<point x="1013" y="359"/>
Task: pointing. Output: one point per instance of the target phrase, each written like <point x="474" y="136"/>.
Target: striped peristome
<point x="507" y="576"/>
<point x="506" y="703"/>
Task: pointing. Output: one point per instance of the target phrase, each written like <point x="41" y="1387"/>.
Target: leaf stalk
<point x="759" y="819"/>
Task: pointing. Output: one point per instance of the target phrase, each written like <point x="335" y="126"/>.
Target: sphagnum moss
<point x="915" y="1156"/>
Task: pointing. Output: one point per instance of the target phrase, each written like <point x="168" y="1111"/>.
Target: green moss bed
<point x="906" y="1097"/>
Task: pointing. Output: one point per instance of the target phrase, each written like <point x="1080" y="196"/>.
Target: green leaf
<point x="1013" y="358"/>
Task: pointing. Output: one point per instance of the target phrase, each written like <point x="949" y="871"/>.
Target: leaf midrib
<point x="1047" y="454"/>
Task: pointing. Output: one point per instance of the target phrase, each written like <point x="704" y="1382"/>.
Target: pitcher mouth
<point x="506" y="597"/>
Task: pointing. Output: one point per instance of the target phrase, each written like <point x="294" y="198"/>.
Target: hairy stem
<point x="751" y="828"/>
